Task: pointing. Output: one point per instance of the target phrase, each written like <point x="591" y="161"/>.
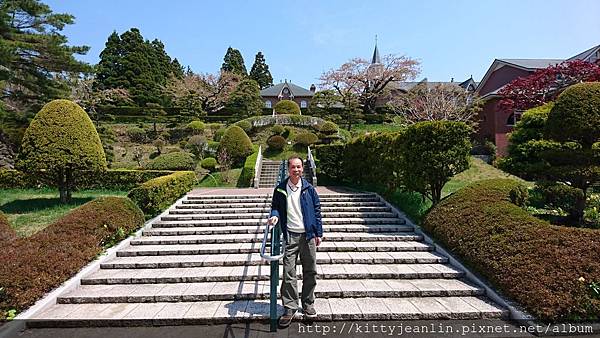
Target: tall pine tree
<point x="233" y="62"/>
<point x="34" y="56"/>
<point x="140" y="66"/>
<point x="260" y="72"/>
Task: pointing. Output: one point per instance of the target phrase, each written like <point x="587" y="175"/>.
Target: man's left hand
<point x="318" y="241"/>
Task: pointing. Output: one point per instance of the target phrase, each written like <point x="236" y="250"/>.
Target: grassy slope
<point x="414" y="206"/>
<point x="30" y="210"/>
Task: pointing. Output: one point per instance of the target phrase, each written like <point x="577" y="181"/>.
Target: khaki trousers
<point x="298" y="245"/>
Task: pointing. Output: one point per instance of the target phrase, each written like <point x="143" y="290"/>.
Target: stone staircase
<point x="269" y="172"/>
<point x="200" y="264"/>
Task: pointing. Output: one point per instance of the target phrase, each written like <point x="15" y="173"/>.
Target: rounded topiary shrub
<point x="196" y="127"/>
<point x="245" y="125"/>
<point x="576" y="114"/>
<point x="329" y="128"/>
<point x="286" y="107"/>
<point x="209" y="163"/>
<point x="236" y="143"/>
<point x="172" y="161"/>
<point x="276" y="142"/>
<point x="306" y="139"/>
<point x="61" y="141"/>
<point x="136" y="134"/>
<point x="277" y="129"/>
<point x="218" y="134"/>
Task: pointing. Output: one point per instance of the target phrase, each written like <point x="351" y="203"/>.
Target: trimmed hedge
<point x="7" y="233"/>
<point x="117" y="179"/>
<point x="276" y="142"/>
<point x="306" y="139"/>
<point x="548" y="269"/>
<point x="172" y="161"/>
<point x="287" y="107"/>
<point x="237" y="144"/>
<point x="209" y="163"/>
<point x="35" y="265"/>
<point x="159" y="193"/>
<point x="196" y="127"/>
<point x="247" y="174"/>
<point x="329" y="128"/>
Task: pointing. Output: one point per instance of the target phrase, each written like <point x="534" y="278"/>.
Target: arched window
<point x="267" y="104"/>
<point x="303" y="104"/>
<point x="513" y="119"/>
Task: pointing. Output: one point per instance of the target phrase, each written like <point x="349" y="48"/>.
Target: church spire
<point x="376" y="59"/>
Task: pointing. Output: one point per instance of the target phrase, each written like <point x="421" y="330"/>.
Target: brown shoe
<point x="288" y="317"/>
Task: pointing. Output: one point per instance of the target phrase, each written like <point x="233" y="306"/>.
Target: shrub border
<point x="75" y="281"/>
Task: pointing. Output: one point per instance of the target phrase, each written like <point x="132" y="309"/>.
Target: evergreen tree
<point x="233" y="62"/>
<point x="245" y="100"/>
<point x="34" y="56"/>
<point x="137" y="65"/>
<point x="260" y="72"/>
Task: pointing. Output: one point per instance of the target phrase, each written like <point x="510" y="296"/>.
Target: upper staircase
<point x="200" y="264"/>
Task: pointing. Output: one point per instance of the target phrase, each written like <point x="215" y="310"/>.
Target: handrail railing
<point x="274" y="257"/>
<point x="313" y="167"/>
<point x="257" y="167"/>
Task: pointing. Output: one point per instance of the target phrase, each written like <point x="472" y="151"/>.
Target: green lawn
<point x="416" y="208"/>
<point x="30" y="210"/>
<point x="216" y="179"/>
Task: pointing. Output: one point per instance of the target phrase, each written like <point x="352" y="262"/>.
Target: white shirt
<point x="295" y="221"/>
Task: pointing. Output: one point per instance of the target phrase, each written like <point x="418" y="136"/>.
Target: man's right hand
<point x="272" y="221"/>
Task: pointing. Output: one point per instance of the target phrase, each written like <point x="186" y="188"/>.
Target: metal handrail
<point x="313" y="166"/>
<point x="257" y="167"/>
<point x="274" y="257"/>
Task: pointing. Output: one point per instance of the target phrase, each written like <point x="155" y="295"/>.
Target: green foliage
<point x="277" y="129"/>
<point x="140" y="66"/>
<point x="276" y="142"/>
<point x="34" y="54"/>
<point x="329" y="128"/>
<point x="245" y="125"/>
<point x="306" y="139"/>
<point x="136" y="134"/>
<point x="60" y="142"/>
<point x="236" y="144"/>
<point x="536" y="264"/>
<point x="196" y="144"/>
<point x="196" y="127"/>
<point x="49" y="257"/>
<point x="172" y="161"/>
<point x="519" y="195"/>
<point x="557" y="195"/>
<point x="260" y="72"/>
<point x="433" y="152"/>
<point x="247" y="174"/>
<point x="576" y="115"/>
<point x="159" y="193"/>
<point x="219" y="134"/>
<point x="245" y="100"/>
<point x="287" y="107"/>
<point x="326" y="103"/>
<point x="209" y="163"/>
<point x="234" y="62"/>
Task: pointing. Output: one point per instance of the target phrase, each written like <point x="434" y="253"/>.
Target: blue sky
<point x="302" y="39"/>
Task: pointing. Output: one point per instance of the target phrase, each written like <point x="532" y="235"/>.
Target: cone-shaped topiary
<point x="276" y="142"/>
<point x="60" y="142"/>
<point x="237" y="144"/>
<point x="287" y="107"/>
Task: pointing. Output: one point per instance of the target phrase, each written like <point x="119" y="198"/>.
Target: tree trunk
<point x="578" y="209"/>
<point x="65" y="185"/>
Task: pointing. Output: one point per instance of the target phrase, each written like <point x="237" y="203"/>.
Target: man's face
<point x="295" y="168"/>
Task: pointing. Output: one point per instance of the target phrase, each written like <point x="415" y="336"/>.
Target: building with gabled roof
<point x="494" y="124"/>
<point x="287" y="91"/>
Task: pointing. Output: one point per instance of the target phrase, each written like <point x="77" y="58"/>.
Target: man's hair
<point x="293" y="157"/>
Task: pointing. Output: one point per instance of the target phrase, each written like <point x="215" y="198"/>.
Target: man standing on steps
<point x="297" y="208"/>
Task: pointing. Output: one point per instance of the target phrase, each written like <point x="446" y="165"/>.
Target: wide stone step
<point x="215" y="312"/>
<point x="262" y="272"/>
<point x="258" y="237"/>
<point x="220" y="222"/>
<point x="194" y="249"/>
<point x="263" y="209"/>
<point x="263" y="215"/>
<point x="186" y="261"/>
<point x="322" y="196"/>
<point x="250" y="290"/>
<point x="197" y="205"/>
<point x="259" y="229"/>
